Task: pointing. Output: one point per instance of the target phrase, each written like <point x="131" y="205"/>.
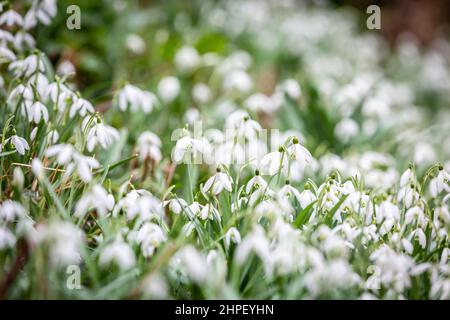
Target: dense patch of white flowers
<point x="286" y="216"/>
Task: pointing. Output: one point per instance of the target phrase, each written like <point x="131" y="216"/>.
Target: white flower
<point x="37" y="168"/>
<point x="192" y="262"/>
<point x="176" y="205"/>
<point x="346" y="129"/>
<point x="80" y="106"/>
<point x="118" y="253"/>
<point x="11" y="18"/>
<point x="83" y="165"/>
<point x="291" y="88"/>
<point x="150" y="236"/>
<point x="149" y="146"/>
<point x="408" y="195"/>
<point x="257" y="182"/>
<point x="191" y="116"/>
<point x="135" y="43"/>
<point x="240" y="123"/>
<point x="437" y="184"/>
<point x="97" y="198"/>
<point x="237" y="80"/>
<point x="306" y="198"/>
<point x="299" y="153"/>
<point x="11" y="210"/>
<point x="287" y="191"/>
<point x="65" y="242"/>
<point x="232" y="235"/>
<point x="7" y="238"/>
<point x="208" y="211"/>
<point x="256" y="241"/>
<point x="140" y="203"/>
<point x="36" y="112"/>
<point x="273" y="162"/>
<point x="101" y="134"/>
<point x="201" y="93"/>
<point x="217" y="183"/>
<point x="187" y="58"/>
<point x="407" y="178"/>
<point x="6" y="54"/>
<point x="169" y="89"/>
<point x="63" y="153"/>
<point x="19" y="143"/>
<point x="188" y="146"/>
<point x="135" y="98"/>
<point x="259" y="102"/>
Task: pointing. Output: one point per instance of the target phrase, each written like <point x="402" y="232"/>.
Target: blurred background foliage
<point x="101" y="53"/>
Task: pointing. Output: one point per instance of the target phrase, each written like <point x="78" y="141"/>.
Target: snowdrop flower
<point x="191" y="116"/>
<point x="140" y="203"/>
<point x="6" y="36"/>
<point x="23" y="40"/>
<point x="273" y="162"/>
<point x="65" y="68"/>
<point x="169" y="89"/>
<point x="18" y="178"/>
<point x="256" y="241"/>
<point x="20" y="92"/>
<point x="415" y="214"/>
<point x="346" y="129"/>
<point x="187" y="147"/>
<point x="36" y="112"/>
<point x="257" y="182"/>
<point x="155" y="287"/>
<point x="150" y="236"/>
<point x="299" y="153"/>
<point x="46" y="10"/>
<point x="80" y="106"/>
<point x="201" y="93"/>
<point x="65" y="242"/>
<point x="437" y="184"/>
<point x="287" y="191"/>
<point x="208" y="211"/>
<point x="7" y="238"/>
<point x="149" y="146"/>
<point x="232" y="235"/>
<point x="19" y="143"/>
<point x="424" y="153"/>
<point x="408" y="195"/>
<point x="135" y="43"/>
<point x="11" y="18"/>
<point x="6" y="54"/>
<point x="187" y="58"/>
<point x="176" y="205"/>
<point x="63" y="152"/>
<point x="407" y="178"/>
<point x="306" y="198"/>
<point x="193" y="210"/>
<point x="135" y="98"/>
<point x="37" y="168"/>
<point x="118" y="253"/>
<point x="97" y="199"/>
<point x="291" y="88"/>
<point x="31" y="65"/>
<point x="241" y="125"/>
<point x="11" y="210"/>
<point x="237" y="80"/>
<point x="192" y="262"/>
<point x="259" y="102"/>
<point x="217" y="183"/>
<point x="83" y="165"/>
<point x="101" y="134"/>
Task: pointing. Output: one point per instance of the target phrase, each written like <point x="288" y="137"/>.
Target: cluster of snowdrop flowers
<point x="243" y="210"/>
